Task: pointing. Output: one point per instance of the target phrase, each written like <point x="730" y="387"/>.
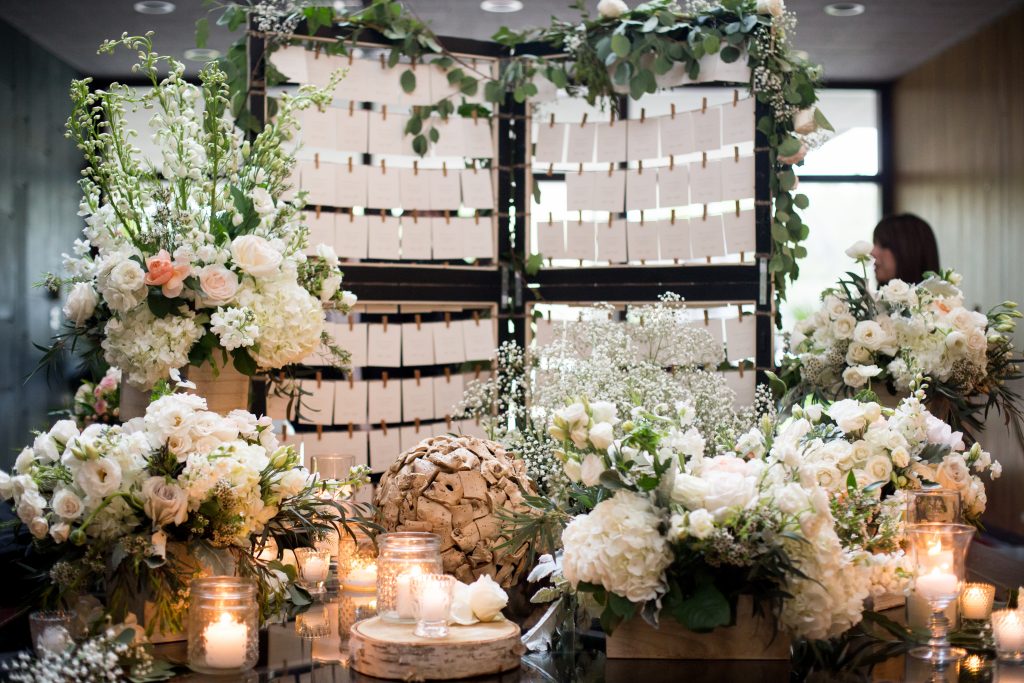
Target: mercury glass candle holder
<point x="976" y="606"/>
<point x="314" y="622"/>
<point x="939" y="506"/>
<point x="432" y="600"/>
<point x="314" y="567"/>
<point x="357" y="561"/>
<point x="352" y="607"/>
<point x="1008" y="632"/>
<point x="223" y="625"/>
<point x="402" y="556"/>
<point x="51" y="630"/>
<point x="938" y="552"/>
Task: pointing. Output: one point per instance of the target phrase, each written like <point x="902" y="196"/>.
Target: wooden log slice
<point x="386" y="650"/>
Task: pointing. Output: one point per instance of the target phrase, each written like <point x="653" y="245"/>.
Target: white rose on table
<point x="255" y="255"/>
<point x="164" y="501"/>
<point x="602" y="435"/>
<point x="857" y="376"/>
<point x="853" y="416"/>
<point x="219" y="284"/>
<point x="612" y="9"/>
<point x="99" y="478"/>
<point x="479" y="601"/>
<point x="67" y="505"/>
<point x="291" y="482"/>
<point x="860" y="250"/>
<point x="590" y="471"/>
<point x="81" y="303"/>
<point x="262" y="202"/>
<point x="700" y="524"/>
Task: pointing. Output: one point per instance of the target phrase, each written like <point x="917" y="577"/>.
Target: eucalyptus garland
<point x="619" y="49"/>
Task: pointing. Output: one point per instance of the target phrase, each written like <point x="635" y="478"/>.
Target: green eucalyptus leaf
<point x="801" y="201"/>
<point x="419" y="145"/>
<point x="711" y="43"/>
<point x="408" y="81"/>
<point x="494" y="91"/>
<point x="789" y="146"/>
<point x="650" y="24"/>
<point x="730" y="54"/>
<point x="620" y="45"/>
<point x="787" y="179"/>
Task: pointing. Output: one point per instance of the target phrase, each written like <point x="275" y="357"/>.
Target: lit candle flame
<point x="935" y="548"/>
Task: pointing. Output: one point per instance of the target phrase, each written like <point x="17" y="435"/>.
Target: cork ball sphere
<point x="451" y="486"/>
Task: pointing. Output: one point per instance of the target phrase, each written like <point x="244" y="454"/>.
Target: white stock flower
<point x="618" y="546"/>
<point x="591" y="469"/>
<point x="262" y="202"/>
<point x="327" y="253"/>
<point x="81" y="303"/>
<point x="601" y="436"/>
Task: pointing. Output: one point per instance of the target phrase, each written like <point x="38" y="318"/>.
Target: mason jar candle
<point x="357" y="562"/>
<point x="404" y="555"/>
<point x="223" y="625"/>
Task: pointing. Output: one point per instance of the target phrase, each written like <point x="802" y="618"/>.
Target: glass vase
<point x="223" y="625"/>
<point x="404" y="555"/>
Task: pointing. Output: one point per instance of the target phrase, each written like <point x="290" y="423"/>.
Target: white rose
<point x="349" y="298"/>
<point x="804" y="123"/>
<point x="39" y="527"/>
<point x="869" y="334"/>
<point x="828" y="477"/>
<point x="30" y="506"/>
<point x="900" y="457"/>
<point x="728" y="492"/>
<point x="164" y="502"/>
<point x="330" y="287"/>
<point x="460" y="611"/>
<point x="81" y="303"/>
<point x="857" y="355"/>
<point x="977" y="342"/>
<point x="852" y="416"/>
<point x="792" y="498"/>
<point x="612" y="9"/>
<point x="127" y="276"/>
<point x="67" y="505"/>
<point x="60" y="531"/>
<point x="573" y="470"/>
<point x="956" y="343"/>
<point x="953" y="472"/>
<point x="878" y="468"/>
<point x="843" y="326"/>
<point x="700" y="524"/>
<point x="590" y="472"/>
<point x="895" y="290"/>
<point x="857" y="376"/>
<point x="859" y="250"/>
<point x="254" y="255"/>
<point x="689" y="491"/>
<point x="773" y="7"/>
<point x="602" y="436"/>
<point x="327" y="253"/>
<point x="486" y="599"/>
<point x="262" y="202"/>
<point x="25" y="460"/>
<point x="99" y="478"/>
<point x="835" y="306"/>
<point x="604" y="411"/>
<point x="6" y="486"/>
<point x="219" y="284"/>
<point x="291" y="482"/>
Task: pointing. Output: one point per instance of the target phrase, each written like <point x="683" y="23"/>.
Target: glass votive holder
<point x="357" y="561"/>
<point x="1008" y="631"/>
<point x="976" y="605"/>
<point x="354" y="606"/>
<point x="432" y="601"/>
<point x="332" y="467"/>
<point x="51" y="630"/>
<point x="404" y="555"/>
<point x="314" y="622"/>
<point x="314" y="566"/>
<point x="223" y="625"/>
<point x="941" y="506"/>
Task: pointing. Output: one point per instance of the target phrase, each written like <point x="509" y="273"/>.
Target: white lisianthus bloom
<point x="573" y="470"/>
<point x="853" y="416"/>
<point x="858" y="375"/>
<point x="700" y="524"/>
<point x="30" y="506"/>
<point x="602" y="436"/>
<point x="618" y="546"/>
<point x="330" y="287"/>
<point x="99" y="478"/>
<point x="67" y="505"/>
<point x="81" y="303"/>
<point x="604" y="411"/>
<point x="291" y="483"/>
<point x="349" y="298"/>
<point x="23" y="463"/>
<point x="612" y="9"/>
<point x="6" y="486"/>
<point x="255" y="255"/>
<point x="956" y="343"/>
<point x="860" y="250"/>
<point x="813" y="412"/>
<point x="590" y="472"/>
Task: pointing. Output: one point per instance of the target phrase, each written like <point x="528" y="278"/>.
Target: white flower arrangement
<point x="110" y="498"/>
<point x="200" y="252"/>
<point x="859" y="339"/>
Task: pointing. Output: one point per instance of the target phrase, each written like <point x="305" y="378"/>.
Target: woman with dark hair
<point x="905" y="249"/>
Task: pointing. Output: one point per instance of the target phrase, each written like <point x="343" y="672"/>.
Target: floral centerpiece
<point x="108" y="505"/>
<point x="193" y="258"/>
<point x="98" y="401"/>
<point x="860" y="337"/>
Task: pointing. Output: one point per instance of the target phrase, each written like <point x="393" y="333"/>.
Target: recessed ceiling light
<point x="154" y="7"/>
<point x="844" y="9"/>
<point x="501" y="6"/>
<point x="201" y="54"/>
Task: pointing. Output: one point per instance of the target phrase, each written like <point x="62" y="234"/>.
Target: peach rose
<point x="169" y="275"/>
<point x="219" y="284"/>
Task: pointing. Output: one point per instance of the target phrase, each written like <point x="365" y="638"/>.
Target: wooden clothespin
<point x="415" y="167"/>
<point x="641" y="218"/>
<point x="316" y="51"/>
<point x="611" y="169"/>
<point x="419" y="322"/>
<point x="673" y="218"/>
<point x="580" y="171"/>
<point x="673" y="105"/>
<point x="383" y="215"/>
<point x="703" y="105"/>
<point x="319" y="379"/>
<point x="444" y="167"/>
<point x="351" y="104"/>
<point x="319" y="432"/>
<point x="739" y="312"/>
<point x="382" y="64"/>
<point x="703" y="159"/>
<point x="384" y="378"/>
<point x="318" y="212"/>
<point x="384" y="427"/>
<point x="350" y="164"/>
<point x="476" y="117"/>
<point x="384" y="112"/>
<point x="416" y="424"/>
<point x="581" y="218"/>
<point x="284" y="432"/>
<point x="351" y="56"/>
<point x="415" y="215"/>
<point x="707" y="318"/>
<point x="737" y="208"/>
<point x="351" y="380"/>
<point x="610" y="219"/>
<point x="448" y="422"/>
<point x="671" y="162"/>
<point x="476" y="318"/>
<point x="383" y="166"/>
<point x="447" y="217"/>
<point x="640" y="167"/>
<point x="385" y="321"/>
<point x="316" y="161"/>
<point x="643" y="114"/>
<point x="448" y="375"/>
<point x="477" y="420"/>
<point x="584" y="121"/>
<point x="416" y="375"/>
<point x="551" y="169"/>
<point x="447" y="319"/>
<point x="705" y="212"/>
<point x="476" y="371"/>
<point x="551" y="218"/>
<point x="736" y="153"/>
<point x="351" y="323"/>
<point x="735" y="97"/>
<point x="351" y="430"/>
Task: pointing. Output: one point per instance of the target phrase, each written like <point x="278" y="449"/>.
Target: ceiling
<point x="889" y="39"/>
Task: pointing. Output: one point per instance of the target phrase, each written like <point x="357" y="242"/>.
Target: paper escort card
<point x="707" y="129"/>
<point x="417" y="345"/>
<point x="450" y="143"/>
<point x="609" y="191"/>
<point x="705" y="181"/>
<point x="477" y="238"/>
<point x="321" y="230"/>
<point x="740" y="234"/>
<point x="611" y="142"/>
<point x="381" y="83"/>
<point x="382" y="188"/>
<point x="642" y="139"/>
<point x="478" y="140"/>
<point x="384" y="346"/>
<point x="673" y="186"/>
<point x="383" y="241"/>
<point x="352" y="130"/>
<point x="387" y="134"/>
<point x="580" y="148"/>
<point x="477" y="188"/>
<point x="416" y="238"/>
<point x="706" y="237"/>
<point x="611" y="241"/>
<point x="448" y="344"/>
<point x="738" y="122"/>
<point x="350" y="403"/>
<point x="410" y="435"/>
<point x="579" y="191"/>
<point x="641" y="189"/>
<point x="470" y="428"/>
<point x="319" y="182"/>
<point x="448" y="392"/>
<point x="414" y="188"/>
<point x="445" y="190"/>
<point x="385" y="447"/>
<point x="351" y="237"/>
<point x="737" y="177"/>
<point x="317" y="406"/>
<point x="674" y="239"/>
<point x="290" y="60"/>
<point x="478" y="338"/>
<point x="448" y="235"/>
<point x="319" y="128"/>
<point x="353" y="339"/>
<point x="741" y="337"/>
<point x="642" y="241"/>
<point x="579" y="240"/>
<point x="350" y="185"/>
<point x="712" y="327"/>
<point x="385" y="402"/>
<point x="676" y="134"/>
<point x="550" y="143"/>
<point x="352" y="443"/>
<point x="277" y="406"/>
<point x="417" y="399"/>
<point x="320" y="67"/>
<point x="550" y="239"/>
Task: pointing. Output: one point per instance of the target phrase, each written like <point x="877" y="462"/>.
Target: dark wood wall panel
<point x="38" y="222"/>
<point x="958" y="136"/>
